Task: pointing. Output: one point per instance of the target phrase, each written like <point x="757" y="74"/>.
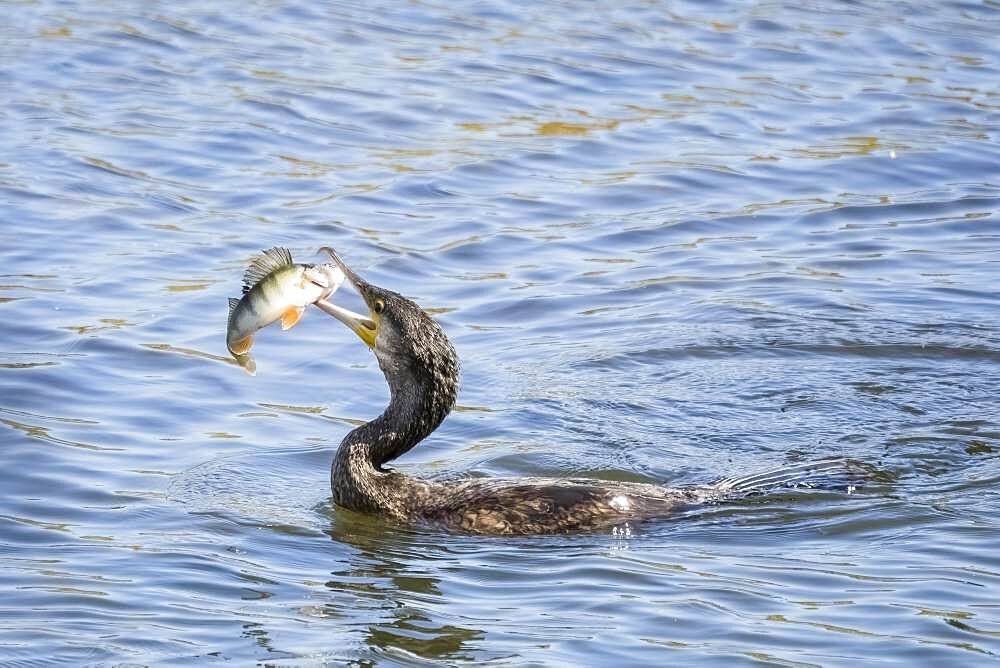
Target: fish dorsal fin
<point x="233" y="303"/>
<point x="270" y="260"/>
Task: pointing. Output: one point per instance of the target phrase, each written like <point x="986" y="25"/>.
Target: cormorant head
<point x="399" y="332"/>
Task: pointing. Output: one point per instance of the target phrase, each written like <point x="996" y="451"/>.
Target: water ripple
<point x="676" y="245"/>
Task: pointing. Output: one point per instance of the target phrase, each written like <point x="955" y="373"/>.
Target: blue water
<point x="672" y="242"/>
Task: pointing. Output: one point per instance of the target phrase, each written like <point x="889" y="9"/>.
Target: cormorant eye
<point x="378" y="306"/>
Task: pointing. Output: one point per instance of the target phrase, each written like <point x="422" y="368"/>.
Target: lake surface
<point x="672" y="242"/>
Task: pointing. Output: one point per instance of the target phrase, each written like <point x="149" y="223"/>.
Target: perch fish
<point x="275" y="288"/>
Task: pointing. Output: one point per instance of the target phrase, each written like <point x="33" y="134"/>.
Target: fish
<point x="275" y="288"/>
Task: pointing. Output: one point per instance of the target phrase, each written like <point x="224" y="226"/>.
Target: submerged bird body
<point x="421" y="368"/>
<point x="525" y="506"/>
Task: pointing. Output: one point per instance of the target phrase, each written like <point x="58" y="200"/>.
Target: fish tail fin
<point x="247" y="363"/>
<point x="827" y="473"/>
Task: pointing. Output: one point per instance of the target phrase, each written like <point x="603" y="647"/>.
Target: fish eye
<point x="378" y="306"/>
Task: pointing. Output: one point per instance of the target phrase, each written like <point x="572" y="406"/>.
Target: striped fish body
<point x="275" y="288"/>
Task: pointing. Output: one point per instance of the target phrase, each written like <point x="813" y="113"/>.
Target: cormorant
<point x="421" y="368"/>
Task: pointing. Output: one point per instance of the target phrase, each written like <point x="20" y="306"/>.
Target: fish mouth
<point x="318" y="284"/>
<point x="317" y="276"/>
<point x="366" y="327"/>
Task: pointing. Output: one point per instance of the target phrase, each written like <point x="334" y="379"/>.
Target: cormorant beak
<point x="366" y="327"/>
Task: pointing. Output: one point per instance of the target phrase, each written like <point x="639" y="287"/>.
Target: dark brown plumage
<point x="421" y="368"/>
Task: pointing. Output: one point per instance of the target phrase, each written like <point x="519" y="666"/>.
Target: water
<point x="671" y="242"/>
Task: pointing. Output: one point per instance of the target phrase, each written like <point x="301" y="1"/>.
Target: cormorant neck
<point x="411" y="416"/>
<point x="421" y="396"/>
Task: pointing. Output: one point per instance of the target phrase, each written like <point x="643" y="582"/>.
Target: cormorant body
<point x="422" y="370"/>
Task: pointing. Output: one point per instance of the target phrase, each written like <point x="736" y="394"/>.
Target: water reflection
<point x="388" y="570"/>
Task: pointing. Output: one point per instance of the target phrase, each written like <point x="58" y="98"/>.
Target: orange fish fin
<point x="292" y="316"/>
<point x="241" y="346"/>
